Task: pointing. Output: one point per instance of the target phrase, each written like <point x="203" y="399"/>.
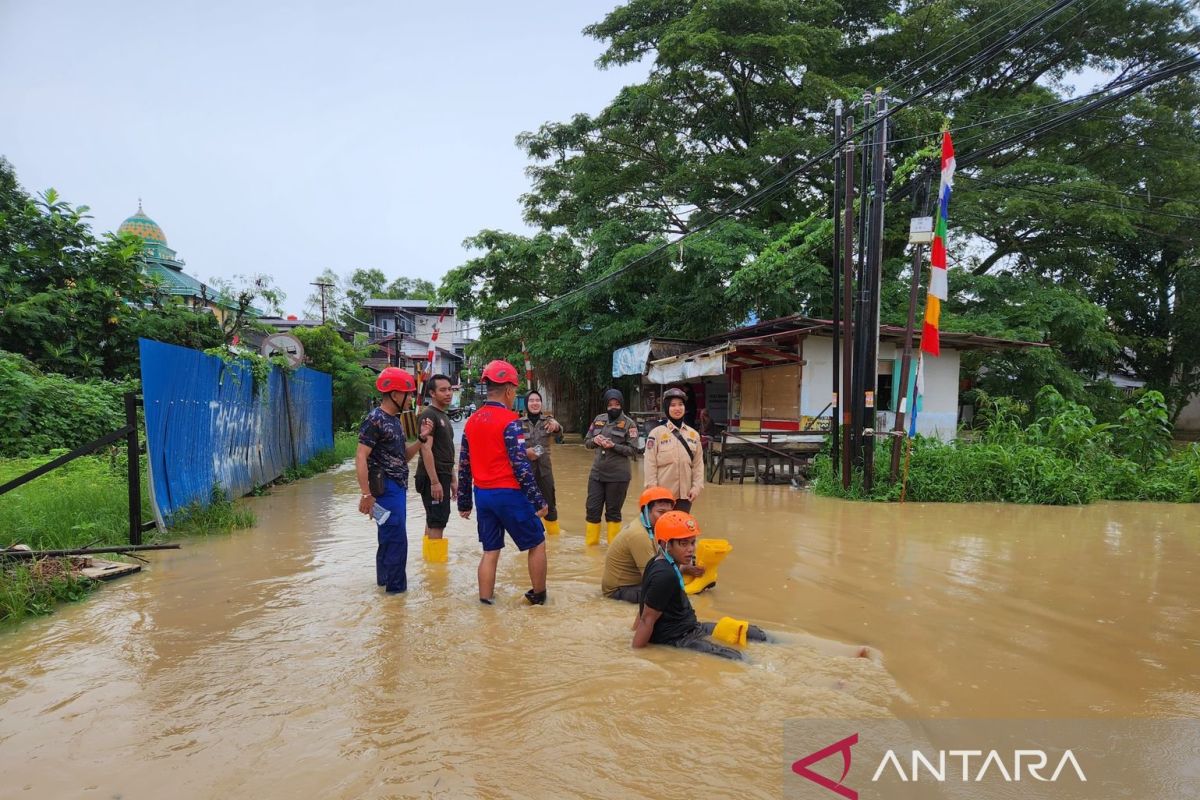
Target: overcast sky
<point x="289" y="137"/>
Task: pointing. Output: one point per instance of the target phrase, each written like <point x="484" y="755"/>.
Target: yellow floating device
<point x="435" y="551"/>
<point x="709" y="554"/>
<point x="731" y="631"/>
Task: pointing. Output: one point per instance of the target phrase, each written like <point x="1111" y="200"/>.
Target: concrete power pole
<point x="324" y="305"/>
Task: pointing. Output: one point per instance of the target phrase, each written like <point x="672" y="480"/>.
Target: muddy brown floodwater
<point x="267" y="664"/>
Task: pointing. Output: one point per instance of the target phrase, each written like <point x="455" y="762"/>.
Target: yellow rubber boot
<point x="709" y="554"/>
<point x="435" y="551"/>
<point x="613" y="529"/>
<point x="552" y="528"/>
<point x="731" y="631"/>
<point x="592" y="536"/>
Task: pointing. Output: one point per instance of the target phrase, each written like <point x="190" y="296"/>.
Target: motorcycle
<point x="456" y="413"/>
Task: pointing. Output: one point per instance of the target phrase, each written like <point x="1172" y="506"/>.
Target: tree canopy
<point x="1083" y="236"/>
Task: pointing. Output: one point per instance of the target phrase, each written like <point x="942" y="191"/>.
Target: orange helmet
<point x="655" y="493"/>
<point x="500" y="372"/>
<point x="675" y="525"/>
<point x="394" y="379"/>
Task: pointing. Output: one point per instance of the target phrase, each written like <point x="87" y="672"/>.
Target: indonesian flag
<point x="937" y="257"/>
<point x="433" y="346"/>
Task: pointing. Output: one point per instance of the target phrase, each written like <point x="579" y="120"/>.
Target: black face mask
<point x="534" y="418"/>
<point x="614" y="414"/>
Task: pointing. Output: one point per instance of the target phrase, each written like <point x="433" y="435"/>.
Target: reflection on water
<point x="268" y="664"/>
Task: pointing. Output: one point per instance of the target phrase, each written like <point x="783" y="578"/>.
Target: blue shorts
<point x="503" y="510"/>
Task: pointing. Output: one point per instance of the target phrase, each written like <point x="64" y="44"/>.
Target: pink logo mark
<point x="801" y="767"/>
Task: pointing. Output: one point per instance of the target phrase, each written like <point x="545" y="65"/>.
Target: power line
<point x="768" y="191"/>
<point x="978" y="31"/>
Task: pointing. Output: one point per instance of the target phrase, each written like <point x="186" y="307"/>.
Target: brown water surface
<point x="267" y="664"/>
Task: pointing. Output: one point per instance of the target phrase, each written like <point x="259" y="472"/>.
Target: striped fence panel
<point x="207" y="428"/>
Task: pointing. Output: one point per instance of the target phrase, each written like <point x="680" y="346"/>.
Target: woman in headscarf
<point x="674" y="454"/>
<point x="540" y="427"/>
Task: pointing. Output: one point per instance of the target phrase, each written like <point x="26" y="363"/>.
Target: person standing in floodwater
<point x="381" y="466"/>
<point x="614" y="437"/>
<point x="539" y="428"/>
<point x="493" y="457"/>
<point x="435" y="479"/>
<point x="675" y="453"/>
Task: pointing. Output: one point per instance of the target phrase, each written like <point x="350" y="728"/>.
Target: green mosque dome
<point x="142" y="226"/>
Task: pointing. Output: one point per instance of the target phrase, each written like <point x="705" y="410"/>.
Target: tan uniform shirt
<point x="667" y="461"/>
<point x="627" y="558"/>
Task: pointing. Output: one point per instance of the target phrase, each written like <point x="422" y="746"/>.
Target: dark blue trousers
<point x="391" y="557"/>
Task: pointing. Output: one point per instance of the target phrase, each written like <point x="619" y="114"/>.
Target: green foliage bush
<point x="47" y="411"/>
<point x="1062" y="457"/>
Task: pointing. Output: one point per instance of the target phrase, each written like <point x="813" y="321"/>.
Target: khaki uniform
<point x="543" y="469"/>
<point x="667" y="461"/>
<point x="626" y="559"/>
<point x="608" y="482"/>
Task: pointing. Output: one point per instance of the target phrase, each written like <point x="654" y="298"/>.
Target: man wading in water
<point x="435" y="469"/>
<point x="381" y="465"/>
<point x="506" y="491"/>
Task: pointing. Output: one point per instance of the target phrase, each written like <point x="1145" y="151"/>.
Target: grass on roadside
<point x="83" y="504"/>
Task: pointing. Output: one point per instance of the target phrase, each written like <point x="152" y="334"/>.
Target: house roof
<point x="407" y="304"/>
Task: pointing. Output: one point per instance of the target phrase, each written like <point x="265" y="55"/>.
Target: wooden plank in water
<point x="102" y="570"/>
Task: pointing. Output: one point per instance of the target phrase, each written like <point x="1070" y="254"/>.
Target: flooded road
<point x="267" y="664"/>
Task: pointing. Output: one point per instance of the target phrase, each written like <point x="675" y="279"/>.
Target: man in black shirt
<point x="665" y="615"/>
<point x="436" y="479"/>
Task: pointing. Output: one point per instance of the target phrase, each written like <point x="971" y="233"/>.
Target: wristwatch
<point x="422" y="439"/>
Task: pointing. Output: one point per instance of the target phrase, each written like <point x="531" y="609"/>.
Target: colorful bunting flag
<point x="937" y="257"/>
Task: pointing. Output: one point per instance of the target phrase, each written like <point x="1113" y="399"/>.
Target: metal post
<point x="848" y="299"/>
<point x="135" y="469"/>
<point x="835" y="271"/>
<point x="921" y="208"/>
<point x="866" y="203"/>
<point x="870" y="368"/>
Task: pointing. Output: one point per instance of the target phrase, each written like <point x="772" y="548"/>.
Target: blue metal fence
<point x="207" y="428"/>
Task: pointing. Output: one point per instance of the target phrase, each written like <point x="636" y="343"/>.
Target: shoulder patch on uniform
<point x="649" y="443"/>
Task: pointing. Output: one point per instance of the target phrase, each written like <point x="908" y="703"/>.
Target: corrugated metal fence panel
<point x="206" y="430"/>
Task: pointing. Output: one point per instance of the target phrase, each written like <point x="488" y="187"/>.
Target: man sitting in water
<point x="665" y="614"/>
<point x="634" y="548"/>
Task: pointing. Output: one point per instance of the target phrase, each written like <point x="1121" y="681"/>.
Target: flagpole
<point x="921" y="207"/>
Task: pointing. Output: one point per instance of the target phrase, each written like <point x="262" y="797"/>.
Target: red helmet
<point x="394" y="379"/>
<point x="500" y="372"/>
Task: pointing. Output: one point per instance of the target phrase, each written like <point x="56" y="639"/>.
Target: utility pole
<point x="322" y="286"/>
<point x="835" y="272"/>
<point x="847" y="302"/>
<point x="858" y="387"/>
<point x="917" y="231"/>
<point x="872" y="300"/>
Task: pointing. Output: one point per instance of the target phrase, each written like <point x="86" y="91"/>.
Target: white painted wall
<point x="1187" y="426"/>
<point x="939" y="414"/>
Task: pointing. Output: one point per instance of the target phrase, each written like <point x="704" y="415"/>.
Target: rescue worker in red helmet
<point x="381" y="466"/>
<point x="493" y="458"/>
<point x="675" y="453"/>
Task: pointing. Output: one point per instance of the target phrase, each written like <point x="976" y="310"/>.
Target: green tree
<point x="738" y="94"/>
<point x="239" y="299"/>
<point x="353" y="384"/>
